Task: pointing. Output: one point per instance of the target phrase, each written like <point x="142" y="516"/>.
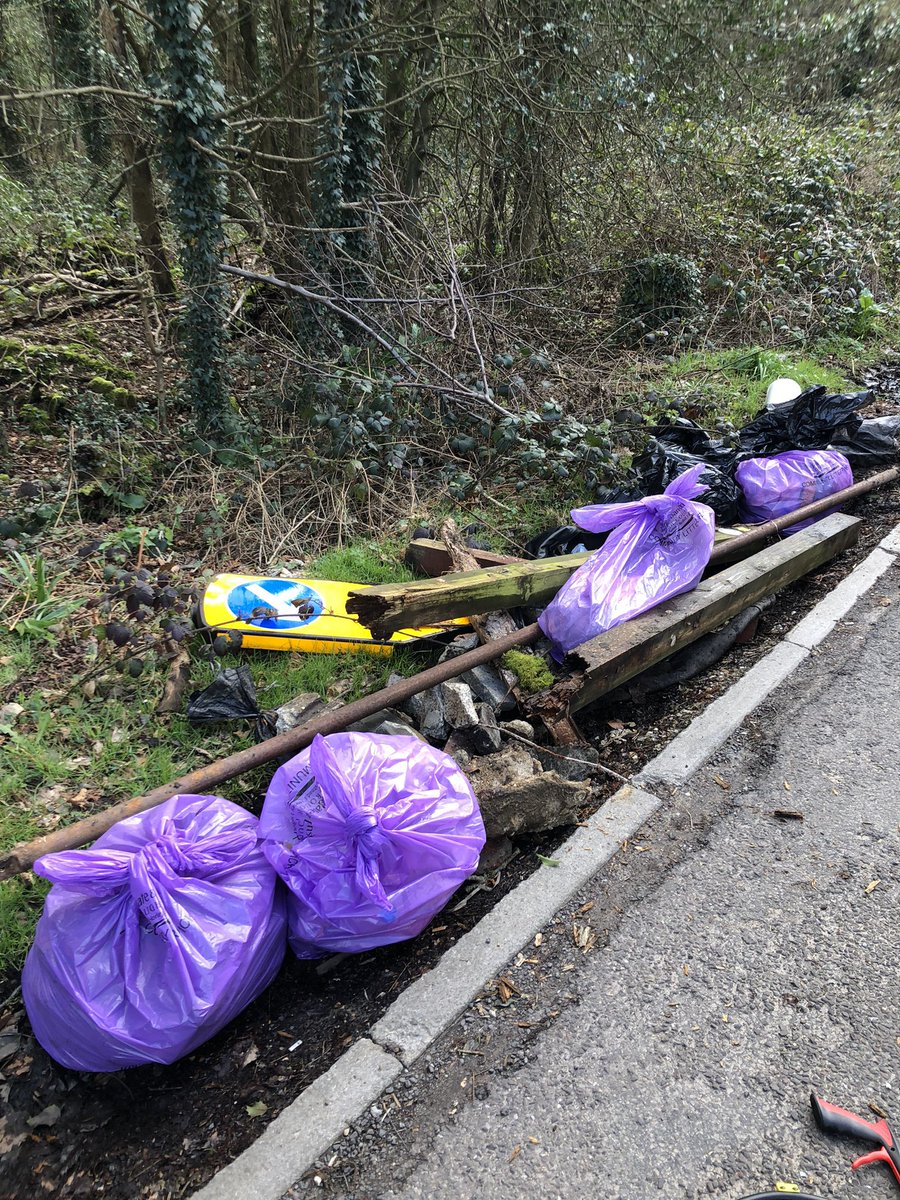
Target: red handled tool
<point x="834" y="1120"/>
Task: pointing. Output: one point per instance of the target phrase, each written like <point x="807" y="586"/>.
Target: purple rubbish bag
<point x="155" y="938"/>
<point x="372" y="834"/>
<point x="778" y="485"/>
<point x="658" y="548"/>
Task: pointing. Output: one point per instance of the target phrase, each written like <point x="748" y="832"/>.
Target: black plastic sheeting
<point x="682" y="445"/>
<point x="230" y="697"/>
<point x="814" y="420"/>
<point x="568" y="539"/>
<point x="809" y="422"/>
<point x="876" y="441"/>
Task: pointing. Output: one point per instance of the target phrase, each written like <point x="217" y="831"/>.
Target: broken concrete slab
<point x="517" y="796"/>
<point x="434" y="724"/>
<point x="478" y="739"/>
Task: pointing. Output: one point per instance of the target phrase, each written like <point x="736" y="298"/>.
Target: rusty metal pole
<point x="201" y="781"/>
<point x="22" y="856"/>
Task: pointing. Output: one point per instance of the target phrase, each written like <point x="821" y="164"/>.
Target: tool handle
<point x="881" y="1155"/>
<point x="834" y="1120"/>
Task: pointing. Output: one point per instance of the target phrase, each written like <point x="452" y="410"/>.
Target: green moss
<point x="31" y="356"/>
<point x="103" y="387"/>
<point x="533" y="673"/>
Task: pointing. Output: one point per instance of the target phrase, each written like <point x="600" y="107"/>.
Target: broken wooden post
<point x="433" y="558"/>
<point x="386" y="608"/>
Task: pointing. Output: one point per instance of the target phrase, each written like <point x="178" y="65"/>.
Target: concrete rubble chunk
<point x="521" y="728"/>
<point x="488" y="729"/>
<point x="427" y="711"/>
<point x="386" y="720"/>
<point x="481" y="738"/>
<point x="459" y="704"/>
<point x="517" y="796"/>
<point x="301" y="709"/>
<point x="575" y="763"/>
<point x="460" y="645"/>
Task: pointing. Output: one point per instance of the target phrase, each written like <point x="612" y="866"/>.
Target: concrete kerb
<point x="689" y="750"/>
<point x="816" y="626"/>
<point x="308" y="1126"/>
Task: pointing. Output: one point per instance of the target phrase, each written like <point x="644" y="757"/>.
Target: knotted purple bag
<point x="372" y="834"/>
<point x="658" y="548"/>
<point x="155" y="938"/>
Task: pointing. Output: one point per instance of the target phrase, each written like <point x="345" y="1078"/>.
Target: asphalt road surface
<point x="663" y="1036"/>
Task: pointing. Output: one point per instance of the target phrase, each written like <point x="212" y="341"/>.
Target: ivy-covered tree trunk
<point x="193" y="127"/>
<point x="352" y="134"/>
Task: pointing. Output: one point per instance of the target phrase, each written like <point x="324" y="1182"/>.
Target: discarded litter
<point x="658" y="548"/>
<point x="780" y="391"/>
<point x="155" y="938"/>
<point x="809" y="422"/>
<point x="230" y="697"/>
<point x="372" y="834"/>
<point x="873" y="441"/>
<point x="773" y="487"/>
<point x="682" y="445"/>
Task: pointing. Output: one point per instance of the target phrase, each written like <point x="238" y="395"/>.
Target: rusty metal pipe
<point x="200" y="782"/>
<point x="22" y="856"/>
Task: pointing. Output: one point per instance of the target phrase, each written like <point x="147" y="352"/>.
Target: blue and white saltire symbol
<point x="282" y="596"/>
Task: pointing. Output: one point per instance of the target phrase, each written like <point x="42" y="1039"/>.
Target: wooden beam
<point x="433" y="558"/>
<point x="387" y="607"/>
<point x="611" y="659"/>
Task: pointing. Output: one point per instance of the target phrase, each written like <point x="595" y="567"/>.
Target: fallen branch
<point x="326" y="302"/>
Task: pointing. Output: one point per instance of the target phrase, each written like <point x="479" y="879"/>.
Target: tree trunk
<point x="145" y="213"/>
<point x="138" y="172"/>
